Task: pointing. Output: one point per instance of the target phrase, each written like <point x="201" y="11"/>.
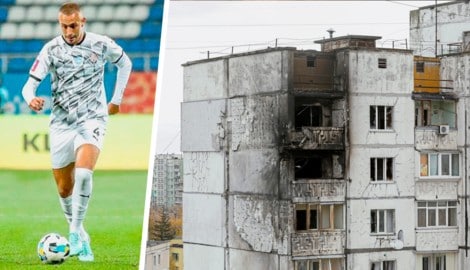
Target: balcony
<point x="318" y="190"/>
<point x="316" y="138"/>
<point x="437" y="239"/>
<point x="318" y="243"/>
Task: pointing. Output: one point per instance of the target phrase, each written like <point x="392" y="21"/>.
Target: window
<point x="321" y="264"/>
<point x="434" y="262"/>
<point x="316" y="216"/>
<point x="435" y="113"/>
<point x="310" y="61"/>
<point x="439" y="164"/>
<point x="382" y="221"/>
<point x="383" y="265"/>
<point x="308" y="115"/>
<point x="437" y="214"/>
<point x="420" y="67"/>
<point x="380" y="117"/>
<point x="175" y="256"/>
<point x="381" y="169"/>
<point x="382" y="63"/>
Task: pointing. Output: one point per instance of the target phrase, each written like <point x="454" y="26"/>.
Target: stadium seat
<point x="8" y="30"/>
<point x="156" y="13"/>
<point x="131" y="30"/>
<point x="16" y="14"/>
<point x="89" y="12"/>
<point x="150" y="29"/>
<point x="24" y="2"/>
<point x="138" y="64"/>
<point x="26" y="31"/>
<point x="140" y="13"/>
<point x="114" y="29"/>
<point x="50" y="13"/>
<point x="44" y="31"/>
<point x="122" y="13"/>
<point x="7" y="2"/>
<point x="3" y="14"/>
<point x="154" y="63"/>
<point x="20" y="64"/>
<point x="97" y="27"/>
<point x="32" y="46"/>
<point x="105" y="13"/>
<point x="34" y="14"/>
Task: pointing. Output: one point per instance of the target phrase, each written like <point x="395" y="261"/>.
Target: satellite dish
<point x="396" y="244"/>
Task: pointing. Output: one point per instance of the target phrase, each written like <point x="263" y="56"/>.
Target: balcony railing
<point x="318" y="243"/>
<point x="316" y="138"/>
<point x="318" y="190"/>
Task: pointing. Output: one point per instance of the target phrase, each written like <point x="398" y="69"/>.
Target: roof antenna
<point x="330" y="31"/>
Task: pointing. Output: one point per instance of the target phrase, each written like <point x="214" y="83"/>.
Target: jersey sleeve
<point x="40" y="67"/>
<point x="114" y="52"/>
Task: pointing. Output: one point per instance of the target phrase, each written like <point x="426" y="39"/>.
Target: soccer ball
<point x="53" y="248"/>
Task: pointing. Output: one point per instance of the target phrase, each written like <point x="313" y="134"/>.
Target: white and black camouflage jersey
<point x="76" y="77"/>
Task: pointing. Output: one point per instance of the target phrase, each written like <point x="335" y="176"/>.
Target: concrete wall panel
<point x="198" y="255"/>
<point x="260" y="73"/>
<point x="202" y="125"/>
<point x="206" y="80"/>
<point x="244" y="260"/>
<point x="204" y="172"/>
<point x="254" y="171"/>
<point x="204" y="219"/>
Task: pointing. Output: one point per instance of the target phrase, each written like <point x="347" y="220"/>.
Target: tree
<point x="160" y="227"/>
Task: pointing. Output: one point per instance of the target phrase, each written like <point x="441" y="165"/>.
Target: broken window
<point x="308" y="115"/>
<point x="420" y="67"/>
<point x="310" y="168"/>
<point x="310" y="61"/>
<point x="439" y="164"/>
<point x="435" y="113"/>
<point x="319" y="264"/>
<point x="380" y="117"/>
<point x="382" y="63"/>
<point x="381" y="169"/>
<point x="437" y="214"/>
<point x="318" y="216"/>
<point x="383" y="265"/>
<point x="382" y="221"/>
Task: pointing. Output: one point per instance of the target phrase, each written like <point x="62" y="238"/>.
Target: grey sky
<point x="194" y="27"/>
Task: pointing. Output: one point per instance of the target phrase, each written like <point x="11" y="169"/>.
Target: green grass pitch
<point x="29" y="208"/>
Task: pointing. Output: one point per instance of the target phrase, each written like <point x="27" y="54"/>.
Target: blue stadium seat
<point x="20" y="64"/>
<point x="7" y="2"/>
<point x="3" y="14"/>
<point x="154" y="63"/>
<point x="150" y="29"/>
<point x="156" y="13"/>
<point x="138" y="64"/>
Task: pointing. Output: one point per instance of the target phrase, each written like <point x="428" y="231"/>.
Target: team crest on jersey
<point x="77" y="58"/>
<point x="93" y="58"/>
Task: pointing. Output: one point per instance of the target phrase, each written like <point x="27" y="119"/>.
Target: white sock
<point x="66" y="204"/>
<point x="80" y="196"/>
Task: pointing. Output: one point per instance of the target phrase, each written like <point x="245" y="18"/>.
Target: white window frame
<point x="374" y="163"/>
<point x="437" y="207"/>
<point x="428" y="170"/>
<point x="433" y="259"/>
<point x="375" y="125"/>
<point x="332" y="214"/>
<point x="384" y="265"/>
<point x="322" y="264"/>
<point x="383" y="219"/>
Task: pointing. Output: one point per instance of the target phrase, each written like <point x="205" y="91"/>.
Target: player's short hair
<point x="69" y="8"/>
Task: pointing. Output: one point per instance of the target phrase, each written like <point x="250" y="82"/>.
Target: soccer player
<point x="75" y="60"/>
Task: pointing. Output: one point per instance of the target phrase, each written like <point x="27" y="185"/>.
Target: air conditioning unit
<point x="444" y="129"/>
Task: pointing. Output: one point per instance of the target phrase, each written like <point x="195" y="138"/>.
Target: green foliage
<point x="30" y="208"/>
<point x="160" y="227"/>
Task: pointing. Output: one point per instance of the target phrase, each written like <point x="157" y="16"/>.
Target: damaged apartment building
<point x="353" y="157"/>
